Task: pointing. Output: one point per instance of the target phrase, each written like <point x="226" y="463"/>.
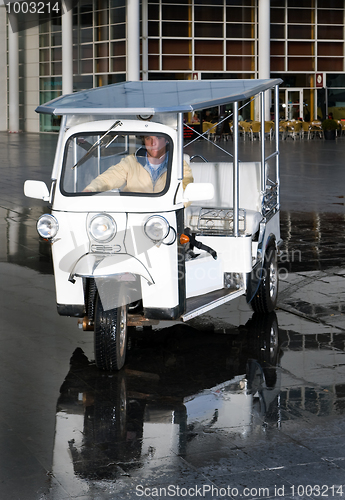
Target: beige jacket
<point x="130" y="172"/>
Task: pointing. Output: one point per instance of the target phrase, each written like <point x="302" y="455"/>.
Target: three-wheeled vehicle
<point x="143" y="235"/>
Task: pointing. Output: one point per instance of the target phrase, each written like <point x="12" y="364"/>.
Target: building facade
<point x="177" y="39"/>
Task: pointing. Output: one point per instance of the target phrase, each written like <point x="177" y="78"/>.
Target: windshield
<point x="116" y="163"/>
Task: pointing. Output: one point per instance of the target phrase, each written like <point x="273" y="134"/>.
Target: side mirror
<point x="37" y="190"/>
<point x="199" y="191"/>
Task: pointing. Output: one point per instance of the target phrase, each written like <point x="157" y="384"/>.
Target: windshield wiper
<point x="96" y="144"/>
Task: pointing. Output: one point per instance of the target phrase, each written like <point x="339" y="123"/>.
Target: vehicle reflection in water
<point x="178" y="384"/>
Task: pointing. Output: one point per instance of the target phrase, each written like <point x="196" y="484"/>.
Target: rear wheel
<point x="111" y="334"/>
<point x="265" y="299"/>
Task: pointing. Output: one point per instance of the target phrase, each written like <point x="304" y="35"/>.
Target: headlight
<point x="47" y="226"/>
<point x="102" y="228"/>
<point x="156" y="228"/>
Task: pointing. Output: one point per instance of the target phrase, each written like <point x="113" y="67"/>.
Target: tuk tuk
<point x="141" y="232"/>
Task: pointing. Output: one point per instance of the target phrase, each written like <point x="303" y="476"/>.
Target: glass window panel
<point x="117" y="3"/>
<point x="331" y="4"/>
<point x="176" y="63"/>
<point x="118" y="48"/>
<point x="208" y="63"/>
<point x="301" y="64"/>
<point x="85" y="20"/>
<point x="102" y="33"/>
<point x="277" y="64"/>
<point x="214" y="14"/>
<point x="85" y="5"/>
<point x="44" y="69"/>
<point x="44" y="55"/>
<point x="153" y="46"/>
<point x="101" y="4"/>
<point x="56" y="54"/>
<point x="175" y="29"/>
<point x="239" y="15"/>
<point x="153" y="28"/>
<point x="118" y="31"/>
<point x="333" y="49"/>
<point x="101" y="65"/>
<point x="300" y="3"/>
<point x="239" y="47"/>
<point x="86" y="66"/>
<point x="153" y="63"/>
<point x="300" y="16"/>
<point x="239" y="31"/>
<point x="241" y="3"/>
<point x="175" y="46"/>
<point x="56" y="68"/>
<point x="56" y="38"/>
<point x="86" y="35"/>
<point x="153" y="11"/>
<point x="44" y="28"/>
<point x="206" y="30"/>
<point x="277" y="31"/>
<point x="300" y="48"/>
<point x="330" y="64"/>
<point x="102" y="49"/>
<point x="173" y="12"/>
<point x="44" y="40"/>
<point x="118" y="63"/>
<point x="330" y="16"/>
<point x="299" y="32"/>
<point x="118" y="15"/>
<point x="239" y="64"/>
<point x="277" y="15"/>
<point x="86" y="51"/>
<point x="209" y="47"/>
<point x="330" y="32"/>
<point x="82" y="82"/>
<point x="277" y="48"/>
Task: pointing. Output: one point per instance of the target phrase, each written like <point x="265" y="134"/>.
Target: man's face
<point x="155" y="146"/>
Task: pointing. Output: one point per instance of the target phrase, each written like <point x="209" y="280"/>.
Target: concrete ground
<point x="229" y="405"/>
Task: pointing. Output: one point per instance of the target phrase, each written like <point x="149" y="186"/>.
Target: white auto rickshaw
<point x="125" y="256"/>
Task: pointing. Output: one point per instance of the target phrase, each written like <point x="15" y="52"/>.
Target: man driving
<point x="142" y="172"/>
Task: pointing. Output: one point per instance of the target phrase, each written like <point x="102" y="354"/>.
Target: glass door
<point x="294" y="104"/>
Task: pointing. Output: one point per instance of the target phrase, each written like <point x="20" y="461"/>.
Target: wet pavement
<point x="231" y="404"/>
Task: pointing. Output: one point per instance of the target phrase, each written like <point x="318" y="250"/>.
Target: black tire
<point x="266" y="296"/>
<point x="111" y="334"/>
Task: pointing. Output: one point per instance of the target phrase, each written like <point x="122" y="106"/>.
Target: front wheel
<point x="265" y="299"/>
<point x="111" y="334"/>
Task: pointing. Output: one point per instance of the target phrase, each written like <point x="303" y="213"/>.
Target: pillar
<point x="133" y="40"/>
<point x="13" y="73"/>
<point x="264" y="48"/>
<point x="67" y="47"/>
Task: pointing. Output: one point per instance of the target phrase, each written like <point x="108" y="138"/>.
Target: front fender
<point x="92" y="265"/>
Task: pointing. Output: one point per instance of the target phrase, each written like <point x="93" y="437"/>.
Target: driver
<point x="140" y="174"/>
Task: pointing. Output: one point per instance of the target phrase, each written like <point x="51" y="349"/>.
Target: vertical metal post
<point x="180" y="144"/>
<point x="276" y="128"/>
<point x="59" y="149"/>
<point x="13" y="73"/>
<point x="67" y="47"/>
<point x="263" y="170"/>
<point x="133" y="40"/>
<point x="235" y="180"/>
<point x="144" y="43"/>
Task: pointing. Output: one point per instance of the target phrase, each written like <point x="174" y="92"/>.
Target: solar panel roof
<point x="149" y="97"/>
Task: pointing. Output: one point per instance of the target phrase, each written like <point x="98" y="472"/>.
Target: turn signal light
<point x="184" y="239"/>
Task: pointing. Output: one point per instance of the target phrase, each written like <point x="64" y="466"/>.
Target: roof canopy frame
<point x="149" y="97"/>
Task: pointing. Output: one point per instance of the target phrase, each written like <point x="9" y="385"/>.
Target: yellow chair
<point x="246" y="129"/>
<point x="256" y="129"/>
<point x="305" y="129"/>
<point x="210" y="129"/>
<point x="315" y="129"/>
